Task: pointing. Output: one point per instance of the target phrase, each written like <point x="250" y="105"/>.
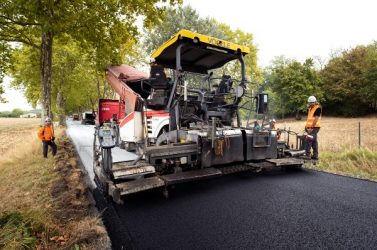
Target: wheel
<point x="103" y="189"/>
<point x="107" y="160"/>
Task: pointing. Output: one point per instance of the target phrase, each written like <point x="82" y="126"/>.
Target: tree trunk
<point x="46" y="70"/>
<point x="98" y="87"/>
<point x="92" y="103"/>
<point x="60" y="104"/>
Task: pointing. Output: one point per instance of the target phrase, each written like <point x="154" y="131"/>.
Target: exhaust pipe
<point x="295" y="153"/>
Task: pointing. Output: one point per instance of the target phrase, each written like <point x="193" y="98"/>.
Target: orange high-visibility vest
<point x="310" y="119"/>
<point x="45" y="133"/>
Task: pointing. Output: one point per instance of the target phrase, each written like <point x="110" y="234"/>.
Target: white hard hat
<point x="312" y="98"/>
<point x="48" y="119"/>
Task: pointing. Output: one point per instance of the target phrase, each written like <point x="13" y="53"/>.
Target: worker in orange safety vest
<point x="312" y="127"/>
<point x="46" y="134"/>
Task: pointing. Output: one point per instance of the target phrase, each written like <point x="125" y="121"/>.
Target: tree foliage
<point x="350" y="81"/>
<point x="15" y="113"/>
<point x="101" y="26"/>
<point x="290" y="83"/>
<point x="74" y="85"/>
<point x="5" y="52"/>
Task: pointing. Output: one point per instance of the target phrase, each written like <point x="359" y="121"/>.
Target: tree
<point x="349" y="81"/>
<point x="291" y="83"/>
<point x="245" y="39"/>
<point x="369" y="90"/>
<point x="5" y="51"/>
<point x="101" y="25"/>
<point x="74" y="85"/>
<point x="25" y="73"/>
<point x="17" y="112"/>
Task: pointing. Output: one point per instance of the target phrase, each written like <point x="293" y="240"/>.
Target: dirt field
<point x="339" y="134"/>
<point x="14" y="131"/>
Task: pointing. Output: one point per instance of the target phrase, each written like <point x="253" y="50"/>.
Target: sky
<point x="297" y="29"/>
<point x="15" y="98"/>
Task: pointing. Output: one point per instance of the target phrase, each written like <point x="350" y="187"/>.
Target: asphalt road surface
<point x="271" y="210"/>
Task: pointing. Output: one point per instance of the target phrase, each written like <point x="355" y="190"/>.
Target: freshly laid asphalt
<point x="274" y="209"/>
<point x="279" y="210"/>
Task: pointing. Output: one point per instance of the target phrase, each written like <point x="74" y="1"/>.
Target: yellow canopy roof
<point x="200" y="52"/>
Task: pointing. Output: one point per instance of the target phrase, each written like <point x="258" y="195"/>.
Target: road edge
<point x="118" y="234"/>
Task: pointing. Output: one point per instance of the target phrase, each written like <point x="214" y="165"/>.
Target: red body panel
<point x="125" y="92"/>
<point x="107" y="109"/>
<point x="160" y="113"/>
<point x="124" y="79"/>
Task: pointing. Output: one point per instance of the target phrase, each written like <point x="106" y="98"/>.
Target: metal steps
<point x="281" y="162"/>
<point x="235" y="169"/>
<point x="139" y="185"/>
<point x="143" y="184"/>
<point x="192" y="175"/>
<point x="138" y="182"/>
<point x="126" y="170"/>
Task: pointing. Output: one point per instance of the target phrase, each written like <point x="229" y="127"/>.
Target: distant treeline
<point x="346" y="85"/>
<point x="16" y="113"/>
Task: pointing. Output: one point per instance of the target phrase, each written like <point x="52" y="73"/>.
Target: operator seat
<point x="226" y="84"/>
<point x="158" y="77"/>
<point x="223" y="88"/>
<point x="159" y="87"/>
<point x="218" y="107"/>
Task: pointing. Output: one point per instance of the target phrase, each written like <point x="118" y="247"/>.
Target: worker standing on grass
<point x="46" y="134"/>
<point x="312" y="127"/>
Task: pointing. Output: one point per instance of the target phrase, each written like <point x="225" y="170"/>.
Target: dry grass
<point x="24" y="179"/>
<point x="20" y="160"/>
<point x="339" y="134"/>
<point x="338" y="145"/>
<point x="15" y="130"/>
<point x="43" y="202"/>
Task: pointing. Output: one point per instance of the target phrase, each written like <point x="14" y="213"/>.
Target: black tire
<point x="107" y="160"/>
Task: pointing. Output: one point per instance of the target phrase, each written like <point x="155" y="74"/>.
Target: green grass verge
<point x="360" y="163"/>
<point x="17" y="231"/>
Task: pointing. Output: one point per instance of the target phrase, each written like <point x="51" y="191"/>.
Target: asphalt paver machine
<point x="203" y="136"/>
